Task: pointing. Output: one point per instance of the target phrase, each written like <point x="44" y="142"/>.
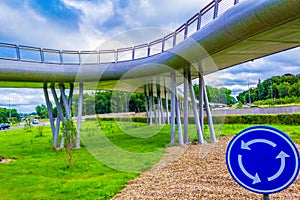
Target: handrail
<point x="64" y="57"/>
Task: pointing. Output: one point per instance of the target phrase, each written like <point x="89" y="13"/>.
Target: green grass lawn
<point x="111" y="155"/>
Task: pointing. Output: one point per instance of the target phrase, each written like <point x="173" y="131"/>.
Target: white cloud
<point x="24" y="100"/>
<point x="24" y="26"/>
<point x="160" y="13"/>
<point x="93" y="16"/>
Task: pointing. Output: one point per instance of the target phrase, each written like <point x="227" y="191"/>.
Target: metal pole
<point x="216" y="9"/>
<point x="10" y="121"/>
<point x="79" y="115"/>
<point x="185" y="107"/>
<point x="173" y="105"/>
<point x="199" y="21"/>
<point x="249" y="92"/>
<point x="196" y="116"/>
<point x="208" y="113"/>
<point x="174" y="39"/>
<point x="133" y="53"/>
<point x="186" y="30"/>
<point x="266" y="197"/>
<point x="271" y="91"/>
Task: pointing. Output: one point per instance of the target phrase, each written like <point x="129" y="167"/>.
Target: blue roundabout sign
<point x="263" y="159"/>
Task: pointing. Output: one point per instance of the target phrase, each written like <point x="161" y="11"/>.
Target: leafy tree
<point x="5" y="115"/>
<point x="217" y="95"/>
<point x="274" y="88"/>
<point x="41" y="111"/>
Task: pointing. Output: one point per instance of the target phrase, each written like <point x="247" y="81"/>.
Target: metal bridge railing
<point x="63" y="57"/>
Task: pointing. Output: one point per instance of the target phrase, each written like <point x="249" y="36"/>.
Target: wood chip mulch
<point x="195" y="172"/>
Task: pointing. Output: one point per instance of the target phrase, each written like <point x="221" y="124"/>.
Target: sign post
<point x="263" y="160"/>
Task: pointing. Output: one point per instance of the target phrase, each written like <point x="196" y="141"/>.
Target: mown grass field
<point x="111" y="155"/>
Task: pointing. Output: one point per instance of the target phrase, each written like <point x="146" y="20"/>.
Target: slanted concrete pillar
<point x="63" y="103"/>
<point x="175" y="111"/>
<point x="167" y="103"/>
<point x="173" y="105"/>
<point x="194" y="108"/>
<point x="150" y="104"/>
<point x="208" y="113"/>
<point x="79" y="115"/>
<point x="50" y="114"/>
<point x="146" y="103"/>
<point x="186" y="107"/>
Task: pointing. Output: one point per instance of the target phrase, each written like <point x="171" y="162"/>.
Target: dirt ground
<point x="195" y="172"/>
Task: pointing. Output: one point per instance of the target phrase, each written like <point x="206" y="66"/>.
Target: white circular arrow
<point x="246" y="145"/>
<point x="255" y="178"/>
<point x="282" y="155"/>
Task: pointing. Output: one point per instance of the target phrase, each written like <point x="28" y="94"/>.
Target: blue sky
<point x="86" y="24"/>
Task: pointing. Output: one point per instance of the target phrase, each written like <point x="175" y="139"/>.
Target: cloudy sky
<point x="86" y="24"/>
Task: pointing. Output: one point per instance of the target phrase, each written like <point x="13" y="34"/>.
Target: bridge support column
<point x="153" y="104"/>
<point x="173" y="105"/>
<point x="150" y="104"/>
<point x="161" y="119"/>
<point x="194" y="108"/>
<point x="180" y="138"/>
<point x="79" y="115"/>
<point x="146" y="103"/>
<point x="208" y="112"/>
<point x="201" y="110"/>
<point x="50" y="114"/>
<point x="167" y="104"/>
<point x="63" y="103"/>
<point x="186" y="106"/>
<point x="175" y="111"/>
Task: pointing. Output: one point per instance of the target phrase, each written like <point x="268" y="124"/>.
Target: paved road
<point x="22" y="126"/>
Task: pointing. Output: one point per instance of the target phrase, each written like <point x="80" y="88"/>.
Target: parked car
<point x="35" y="121"/>
<point x="4" y="126"/>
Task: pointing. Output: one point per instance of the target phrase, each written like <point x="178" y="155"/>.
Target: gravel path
<point x="199" y="172"/>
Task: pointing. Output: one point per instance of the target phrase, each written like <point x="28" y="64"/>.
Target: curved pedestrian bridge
<point x="223" y="34"/>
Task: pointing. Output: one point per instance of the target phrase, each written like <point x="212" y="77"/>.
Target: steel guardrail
<point x="70" y="57"/>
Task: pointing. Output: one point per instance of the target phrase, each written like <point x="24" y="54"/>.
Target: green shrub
<point x="285" y="119"/>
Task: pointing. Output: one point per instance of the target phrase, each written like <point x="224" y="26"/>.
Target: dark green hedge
<point x="286" y="119"/>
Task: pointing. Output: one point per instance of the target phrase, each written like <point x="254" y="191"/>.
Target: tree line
<point x="276" y="90"/>
<point x="9" y="115"/>
<point x="102" y="101"/>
